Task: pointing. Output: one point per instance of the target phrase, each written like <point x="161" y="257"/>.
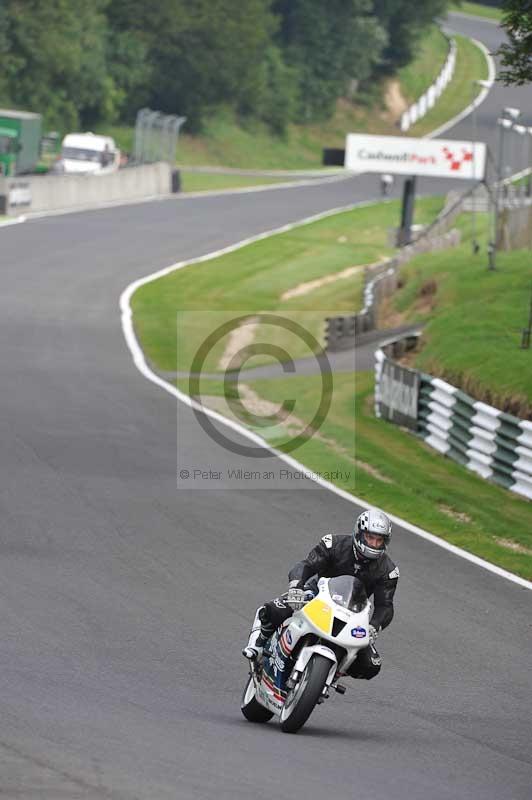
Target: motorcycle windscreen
<point x="349" y="592"/>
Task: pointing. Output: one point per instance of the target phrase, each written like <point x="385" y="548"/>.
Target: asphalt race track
<point x="124" y="602"/>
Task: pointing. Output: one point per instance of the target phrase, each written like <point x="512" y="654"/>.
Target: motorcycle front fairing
<point x="332" y="622"/>
<point x="331" y="618"/>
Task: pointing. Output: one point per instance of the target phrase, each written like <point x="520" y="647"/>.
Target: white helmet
<point x="372" y="521"/>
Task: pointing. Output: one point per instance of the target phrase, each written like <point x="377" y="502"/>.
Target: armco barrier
<point x="33" y="193"/>
<point x="427" y="100"/>
<point x="495" y="445"/>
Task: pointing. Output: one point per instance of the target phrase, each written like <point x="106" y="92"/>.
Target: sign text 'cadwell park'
<point x="439" y="158"/>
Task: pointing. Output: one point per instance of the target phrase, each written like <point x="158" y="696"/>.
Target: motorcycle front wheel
<point x="250" y="707"/>
<point x="300" y="702"/>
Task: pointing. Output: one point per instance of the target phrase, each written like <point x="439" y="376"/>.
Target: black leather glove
<point x="295" y="598"/>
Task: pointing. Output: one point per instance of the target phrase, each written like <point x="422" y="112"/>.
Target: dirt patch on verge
<point x="373" y="471"/>
<point x="459" y="516"/>
<point x="311" y="286"/>
<point x="238" y="339"/>
<point x="515" y="546"/>
<point x="394" y="100"/>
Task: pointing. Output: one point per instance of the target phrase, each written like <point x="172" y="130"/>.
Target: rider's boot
<point x="260" y="633"/>
<point x="253" y="649"/>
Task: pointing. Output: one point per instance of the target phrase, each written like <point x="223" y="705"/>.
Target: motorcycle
<point x="308" y="655"/>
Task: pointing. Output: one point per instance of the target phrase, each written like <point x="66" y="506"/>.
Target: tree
<point x="82" y="63"/>
<point x="200" y="54"/>
<point x="516" y="55"/>
<point x="53" y="59"/>
<point x="329" y="45"/>
<point x="275" y="97"/>
<point x="404" y="22"/>
<point x="134" y="29"/>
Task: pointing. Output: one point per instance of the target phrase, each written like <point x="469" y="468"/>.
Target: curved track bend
<point x="124" y="603"/>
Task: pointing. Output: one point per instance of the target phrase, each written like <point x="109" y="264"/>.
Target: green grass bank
<point x="214" y="182"/>
<point x="473" y="318"/>
<point x="260" y="276"/>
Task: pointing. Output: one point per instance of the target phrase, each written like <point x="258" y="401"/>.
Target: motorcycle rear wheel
<point x="250" y="707"/>
<point x="300" y="702"/>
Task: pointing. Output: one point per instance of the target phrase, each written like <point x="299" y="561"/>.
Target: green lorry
<point x="20" y="141"/>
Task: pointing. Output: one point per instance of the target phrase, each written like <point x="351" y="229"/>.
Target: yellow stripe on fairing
<point x="320" y="614"/>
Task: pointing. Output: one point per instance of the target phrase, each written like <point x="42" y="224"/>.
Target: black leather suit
<point x="333" y="556"/>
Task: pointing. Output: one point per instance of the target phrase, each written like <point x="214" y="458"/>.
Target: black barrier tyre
<point x="250" y="707"/>
<point x="300" y="702"/>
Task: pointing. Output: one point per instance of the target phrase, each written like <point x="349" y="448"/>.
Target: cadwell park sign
<point x="403" y="155"/>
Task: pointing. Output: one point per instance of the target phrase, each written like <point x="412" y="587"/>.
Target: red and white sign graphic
<point x="404" y="155"/>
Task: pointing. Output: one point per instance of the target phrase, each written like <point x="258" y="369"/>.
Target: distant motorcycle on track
<point x="308" y="655"/>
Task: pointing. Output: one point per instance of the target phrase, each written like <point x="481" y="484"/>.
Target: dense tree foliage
<point x="516" y="55"/>
<point x="197" y="54"/>
<point x="404" y="22"/>
<point x="328" y="44"/>
<point x="53" y="59"/>
<point x="82" y="62"/>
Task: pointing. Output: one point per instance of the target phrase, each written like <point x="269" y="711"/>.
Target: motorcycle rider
<point x="362" y="554"/>
<point x="386" y="184"/>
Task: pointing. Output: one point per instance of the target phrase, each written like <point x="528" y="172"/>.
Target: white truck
<point x="87" y="154"/>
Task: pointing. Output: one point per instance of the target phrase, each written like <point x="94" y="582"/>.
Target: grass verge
<point x="211" y="181"/>
<point x="258" y="276"/>
<point x="474" y="318"/>
<point x="415" y="78"/>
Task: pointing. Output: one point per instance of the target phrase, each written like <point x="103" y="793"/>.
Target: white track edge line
<point x="140" y="362"/>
